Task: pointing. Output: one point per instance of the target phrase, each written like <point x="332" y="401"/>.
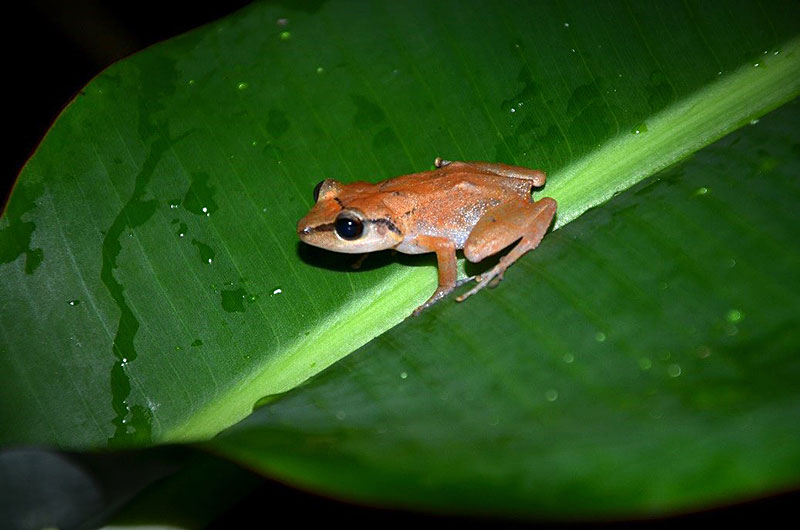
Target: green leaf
<point x="153" y="286"/>
<point x="644" y="360"/>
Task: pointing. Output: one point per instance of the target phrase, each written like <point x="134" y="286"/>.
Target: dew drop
<point x="282" y="22"/>
<point x="286" y="35"/>
<point x="551" y="395"/>
<point x="403" y="375"/>
<point x="566" y="24"/>
<point x="320" y="70"/>
<point x="754" y="121"/>
<point x="734" y="315"/>
<point x="674" y="370"/>
<point x="645" y="363"/>
<point x="600" y="336"/>
<point x="701" y="191"/>
<point x="277" y="291"/>
<point x="340" y="415"/>
<point x="568" y="358"/>
<point x="74" y="302"/>
<point x="639" y="129"/>
<point x="242" y="86"/>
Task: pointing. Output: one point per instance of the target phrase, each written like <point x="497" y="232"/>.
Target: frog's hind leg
<point x="501" y="226"/>
<point x="535" y="176"/>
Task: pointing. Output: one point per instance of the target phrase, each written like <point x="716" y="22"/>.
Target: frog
<point x="480" y="208"/>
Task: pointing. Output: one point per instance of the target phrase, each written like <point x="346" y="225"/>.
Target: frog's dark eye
<point x="316" y="190"/>
<point x="348" y="226"/>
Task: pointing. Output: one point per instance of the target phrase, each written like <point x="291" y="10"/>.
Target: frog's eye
<point x="316" y="190"/>
<point x="348" y="226"/>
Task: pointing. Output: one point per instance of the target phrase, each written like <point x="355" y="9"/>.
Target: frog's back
<point x="449" y="204"/>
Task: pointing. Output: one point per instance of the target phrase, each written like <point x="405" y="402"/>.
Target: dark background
<point x="56" y="47"/>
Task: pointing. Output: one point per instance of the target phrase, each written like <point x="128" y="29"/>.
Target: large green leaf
<point x="646" y="360"/>
<point x="153" y="287"/>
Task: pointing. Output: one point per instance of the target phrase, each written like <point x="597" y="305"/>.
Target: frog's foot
<point x="440" y="293"/>
<point x="491" y="278"/>
<point x="437" y="295"/>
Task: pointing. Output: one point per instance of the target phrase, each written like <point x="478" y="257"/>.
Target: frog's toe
<point x="490" y="279"/>
<point x="483" y="281"/>
<point x="463" y="281"/>
<point x="437" y="295"/>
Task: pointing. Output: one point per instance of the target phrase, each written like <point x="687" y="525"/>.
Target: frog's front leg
<point x="502" y="225"/>
<point x="446" y="259"/>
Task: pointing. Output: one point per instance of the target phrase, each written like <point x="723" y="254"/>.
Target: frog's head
<point x="348" y="218"/>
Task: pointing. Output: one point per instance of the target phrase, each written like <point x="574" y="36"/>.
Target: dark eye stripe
<point x="387" y="223"/>
<point x="327" y="227"/>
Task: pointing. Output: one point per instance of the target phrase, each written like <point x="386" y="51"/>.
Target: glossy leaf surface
<point x="153" y="288"/>
<point x="644" y="360"/>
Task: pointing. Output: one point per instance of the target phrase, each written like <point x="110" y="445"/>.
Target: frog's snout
<point x="302" y="227"/>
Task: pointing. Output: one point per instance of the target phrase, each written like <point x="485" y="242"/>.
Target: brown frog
<point x="481" y="207"/>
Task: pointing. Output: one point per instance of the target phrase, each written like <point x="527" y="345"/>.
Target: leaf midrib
<point x="673" y="134"/>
